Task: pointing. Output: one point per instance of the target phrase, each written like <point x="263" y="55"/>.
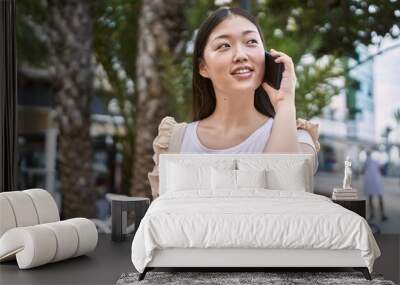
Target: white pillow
<point x="251" y="178"/>
<point x="223" y="179"/>
<point x="181" y="177"/>
<point x="193" y="174"/>
<point x="285" y="173"/>
<point x="293" y="180"/>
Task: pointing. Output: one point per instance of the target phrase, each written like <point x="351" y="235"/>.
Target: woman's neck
<point x="235" y="111"/>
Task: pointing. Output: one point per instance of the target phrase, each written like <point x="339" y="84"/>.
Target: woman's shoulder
<point x="168" y="123"/>
<point x="168" y="131"/>
<point x="311" y="128"/>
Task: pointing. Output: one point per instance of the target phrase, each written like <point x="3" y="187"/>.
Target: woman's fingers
<point x="273" y="94"/>
<point x="275" y="52"/>
<point x="287" y="62"/>
<point x="270" y="90"/>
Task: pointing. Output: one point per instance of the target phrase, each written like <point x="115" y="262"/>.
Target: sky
<point x="386" y="87"/>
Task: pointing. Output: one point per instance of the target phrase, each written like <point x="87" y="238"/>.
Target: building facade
<point x="347" y="124"/>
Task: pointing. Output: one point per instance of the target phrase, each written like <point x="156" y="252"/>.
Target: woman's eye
<point x="223" y="45"/>
<point x="252" y="41"/>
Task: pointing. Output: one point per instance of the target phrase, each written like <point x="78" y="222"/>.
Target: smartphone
<point x="273" y="71"/>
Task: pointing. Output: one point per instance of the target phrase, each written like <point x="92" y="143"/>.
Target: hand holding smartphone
<point x="273" y="71"/>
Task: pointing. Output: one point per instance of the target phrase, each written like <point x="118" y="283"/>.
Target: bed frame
<point x="242" y="259"/>
<point x="246" y="258"/>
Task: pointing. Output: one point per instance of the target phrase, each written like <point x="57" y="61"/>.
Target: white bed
<point x="213" y="224"/>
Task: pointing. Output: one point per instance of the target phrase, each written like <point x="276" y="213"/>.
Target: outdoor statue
<point x="347" y="174"/>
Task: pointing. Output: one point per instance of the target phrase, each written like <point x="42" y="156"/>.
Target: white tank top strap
<point x="176" y="138"/>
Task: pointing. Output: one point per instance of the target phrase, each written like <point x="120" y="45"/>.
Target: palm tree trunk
<point x="70" y="47"/>
<point x="161" y="27"/>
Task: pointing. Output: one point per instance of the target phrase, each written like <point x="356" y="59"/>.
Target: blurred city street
<point x="324" y="182"/>
<point x="81" y="148"/>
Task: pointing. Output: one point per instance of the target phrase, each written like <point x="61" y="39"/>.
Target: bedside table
<point x="120" y="206"/>
<point x="357" y="206"/>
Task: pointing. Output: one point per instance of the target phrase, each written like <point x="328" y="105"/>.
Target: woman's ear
<point x="203" y="68"/>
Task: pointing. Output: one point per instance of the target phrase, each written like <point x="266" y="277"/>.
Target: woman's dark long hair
<point x="204" y="101"/>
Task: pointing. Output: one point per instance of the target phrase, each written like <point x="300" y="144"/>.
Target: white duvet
<point x="251" y="218"/>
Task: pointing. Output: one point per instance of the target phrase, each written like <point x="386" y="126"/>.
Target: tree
<point x="161" y="27"/>
<point x="318" y="35"/>
<point x="116" y="34"/>
<point x="70" y="27"/>
<point x="115" y="46"/>
<point x="332" y="27"/>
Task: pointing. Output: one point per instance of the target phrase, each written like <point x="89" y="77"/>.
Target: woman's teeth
<point x="242" y="71"/>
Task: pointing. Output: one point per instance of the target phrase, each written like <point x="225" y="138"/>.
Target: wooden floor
<point x="110" y="260"/>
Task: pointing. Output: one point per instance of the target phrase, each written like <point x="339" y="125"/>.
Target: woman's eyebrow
<point x="228" y="36"/>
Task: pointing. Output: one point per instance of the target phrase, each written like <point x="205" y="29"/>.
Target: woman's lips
<point x="243" y="76"/>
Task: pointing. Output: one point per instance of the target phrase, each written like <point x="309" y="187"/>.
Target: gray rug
<point x="228" y="278"/>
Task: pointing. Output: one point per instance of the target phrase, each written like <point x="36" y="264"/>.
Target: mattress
<point x="250" y="219"/>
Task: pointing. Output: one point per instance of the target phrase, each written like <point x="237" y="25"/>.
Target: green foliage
<point x="323" y="28"/>
<point x="31" y="34"/>
<point x="298" y="28"/>
<point x="326" y="31"/>
<point x="177" y="79"/>
<point x="315" y="28"/>
<point x="116" y="33"/>
<point x="115" y="37"/>
<point x="352" y="86"/>
<point x="316" y="86"/>
<point x="341" y="25"/>
<point x="196" y="13"/>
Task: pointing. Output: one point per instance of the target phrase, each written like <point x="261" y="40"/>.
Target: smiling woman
<point x="234" y="111"/>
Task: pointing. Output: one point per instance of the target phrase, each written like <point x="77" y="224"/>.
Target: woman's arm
<point x="283" y="137"/>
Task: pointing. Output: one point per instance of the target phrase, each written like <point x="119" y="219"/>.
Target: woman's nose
<point x="239" y="55"/>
